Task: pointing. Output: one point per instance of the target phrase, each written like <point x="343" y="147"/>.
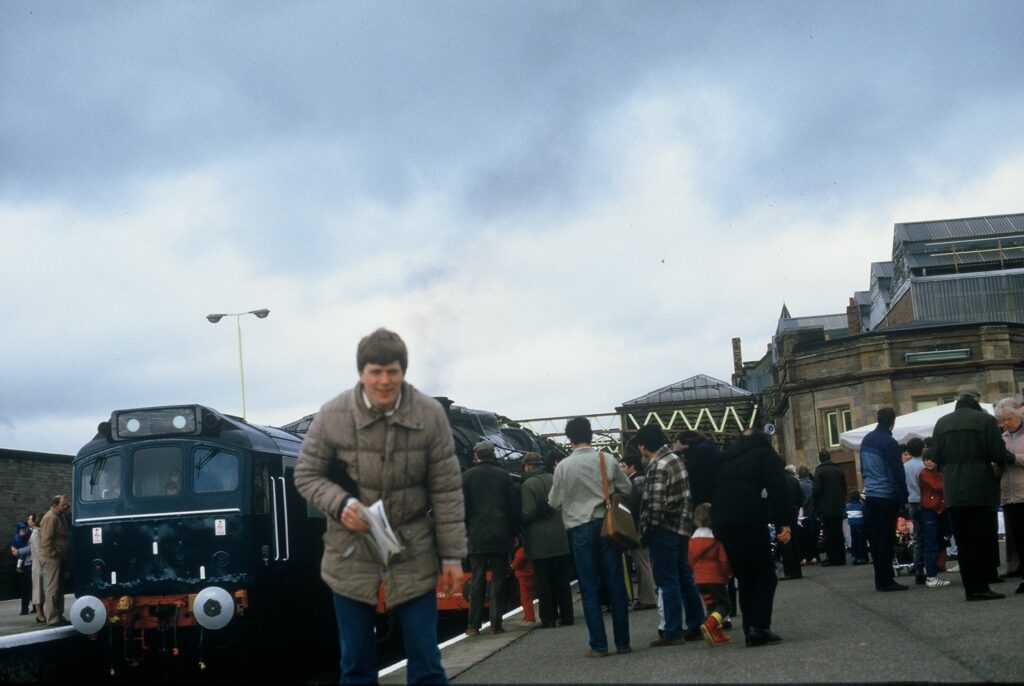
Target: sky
<point x="560" y="206"/>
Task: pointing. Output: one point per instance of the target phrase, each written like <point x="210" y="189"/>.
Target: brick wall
<point x="28" y="481"/>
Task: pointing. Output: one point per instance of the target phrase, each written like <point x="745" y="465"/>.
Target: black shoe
<point x="760" y="637"/>
<point x="920" y="580"/>
<point x="892" y="586"/>
<point x="987" y="595"/>
<point x="1020" y="589"/>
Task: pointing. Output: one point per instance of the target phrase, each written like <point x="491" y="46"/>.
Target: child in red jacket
<point x="523" y="568"/>
<point x="711" y="572"/>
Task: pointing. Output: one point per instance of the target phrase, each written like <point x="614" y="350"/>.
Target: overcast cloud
<point x="560" y="206"/>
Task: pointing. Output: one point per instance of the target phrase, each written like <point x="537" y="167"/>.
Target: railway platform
<point x="837" y="629"/>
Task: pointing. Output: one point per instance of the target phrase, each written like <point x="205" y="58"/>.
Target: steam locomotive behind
<point x="187" y="527"/>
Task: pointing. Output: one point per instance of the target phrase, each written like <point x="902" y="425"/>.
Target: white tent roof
<point x="914" y="425"/>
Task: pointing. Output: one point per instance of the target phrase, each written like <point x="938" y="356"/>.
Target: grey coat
<point x="544" y="537"/>
<point x="408" y="461"/>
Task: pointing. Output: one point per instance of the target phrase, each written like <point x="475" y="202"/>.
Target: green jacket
<point x="967" y="445"/>
<point x="544" y="537"/>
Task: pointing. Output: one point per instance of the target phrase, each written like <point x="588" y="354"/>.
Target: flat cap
<point x="968" y="389"/>
<point x="483" y="447"/>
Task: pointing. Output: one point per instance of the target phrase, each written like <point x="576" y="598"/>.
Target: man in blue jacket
<point x="885" y="493"/>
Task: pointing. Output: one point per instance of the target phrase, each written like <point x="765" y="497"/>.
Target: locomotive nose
<point x="213" y="608"/>
<point x="88" y="615"/>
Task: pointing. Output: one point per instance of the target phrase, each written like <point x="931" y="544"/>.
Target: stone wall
<point x="28" y="481"/>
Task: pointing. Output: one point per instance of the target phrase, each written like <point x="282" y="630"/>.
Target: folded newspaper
<point x="381" y="531"/>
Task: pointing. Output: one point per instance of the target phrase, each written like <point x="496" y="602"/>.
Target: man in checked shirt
<point x="666" y="521"/>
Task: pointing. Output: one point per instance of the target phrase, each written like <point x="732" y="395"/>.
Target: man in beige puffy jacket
<point x="384" y="440"/>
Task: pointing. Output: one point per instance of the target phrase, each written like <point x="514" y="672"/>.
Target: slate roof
<point x="696" y="388"/>
<point x="828" y="322"/>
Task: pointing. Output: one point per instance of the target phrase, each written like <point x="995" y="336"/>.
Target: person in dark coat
<point x="969" y="450"/>
<point x="739" y="519"/>
<point x="491" y="523"/>
<point x="830" y="504"/>
<point x="703" y="458"/>
<point x="791" y="551"/>
<point x="808" y="530"/>
<point x="546" y="544"/>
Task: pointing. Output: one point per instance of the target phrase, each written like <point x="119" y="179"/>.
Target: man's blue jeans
<point x="418" y="619"/>
<point x="598" y="559"/>
<point x="672" y="573"/>
<point x="930" y="535"/>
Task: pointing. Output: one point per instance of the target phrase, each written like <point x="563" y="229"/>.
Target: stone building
<point x="946" y="311"/>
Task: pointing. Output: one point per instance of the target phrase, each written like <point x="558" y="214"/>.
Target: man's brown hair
<point x="382" y="347"/>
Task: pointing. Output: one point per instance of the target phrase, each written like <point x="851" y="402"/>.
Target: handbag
<point x="618" y="526"/>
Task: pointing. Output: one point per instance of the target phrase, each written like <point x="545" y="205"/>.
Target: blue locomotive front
<point x="185" y="517"/>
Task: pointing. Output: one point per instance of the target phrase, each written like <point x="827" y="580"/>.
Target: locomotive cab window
<point x="214" y="470"/>
<point x="156" y="472"/>
<point x="101" y="479"/>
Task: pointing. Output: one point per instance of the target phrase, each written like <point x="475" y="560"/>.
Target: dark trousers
<point x="880" y="515"/>
<point x="1013" y="519"/>
<point x="25" y="587"/>
<point x="976" y="536"/>
<point x="859" y="543"/>
<point x="809" y="539"/>
<point x="750" y="555"/>
<point x="716" y="599"/>
<point x="498" y="564"/>
<point x="791" y="556"/>
<point x="835" y="543"/>
<point x="554" y="594"/>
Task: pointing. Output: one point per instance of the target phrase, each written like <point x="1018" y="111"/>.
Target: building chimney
<point x="737" y="356"/>
<point x="853" y="323"/>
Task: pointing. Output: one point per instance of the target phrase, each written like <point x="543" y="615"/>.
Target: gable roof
<point x="699" y="387"/>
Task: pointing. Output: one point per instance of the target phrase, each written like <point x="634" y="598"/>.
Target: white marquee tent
<point x="914" y="425"/>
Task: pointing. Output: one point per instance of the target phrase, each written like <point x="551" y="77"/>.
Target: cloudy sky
<point x="559" y="205"/>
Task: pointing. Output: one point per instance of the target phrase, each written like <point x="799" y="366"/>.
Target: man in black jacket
<point x="830" y="504"/>
<point x="491" y="521"/>
<point x="703" y="458"/>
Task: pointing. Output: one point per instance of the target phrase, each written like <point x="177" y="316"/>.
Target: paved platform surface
<point x="836" y="627"/>
<point x="16" y="628"/>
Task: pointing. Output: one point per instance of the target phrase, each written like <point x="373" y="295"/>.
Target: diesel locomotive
<point x="187" y="525"/>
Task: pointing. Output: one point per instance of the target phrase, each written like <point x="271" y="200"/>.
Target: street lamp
<point x="260" y="314"/>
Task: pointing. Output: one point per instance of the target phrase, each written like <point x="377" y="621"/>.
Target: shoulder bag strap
<point x="604" y="481"/>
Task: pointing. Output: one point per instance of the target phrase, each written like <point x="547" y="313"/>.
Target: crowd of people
<point x="41" y="548"/>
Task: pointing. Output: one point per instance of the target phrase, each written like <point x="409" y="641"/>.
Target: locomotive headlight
<point x="213" y="608"/>
<point x="88" y="615"/>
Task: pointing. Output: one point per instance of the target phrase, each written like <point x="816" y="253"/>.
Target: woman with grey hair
<point x="1010" y="416"/>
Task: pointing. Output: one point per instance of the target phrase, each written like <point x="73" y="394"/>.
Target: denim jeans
<point x="930" y="537"/>
<point x="418" y="618"/>
<point x="598" y="559"/>
<point x="672" y="573"/>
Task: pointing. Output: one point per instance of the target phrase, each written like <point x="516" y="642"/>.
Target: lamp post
<point x="260" y="314"/>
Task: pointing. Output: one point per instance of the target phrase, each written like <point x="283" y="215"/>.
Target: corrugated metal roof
<point x="968" y="227"/>
<point x="699" y="387"/>
<point x="987" y="296"/>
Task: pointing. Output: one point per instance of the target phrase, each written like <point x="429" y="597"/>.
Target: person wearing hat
<point x="491" y="522"/>
<point x="969" y="448"/>
<point x="546" y="544"/>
